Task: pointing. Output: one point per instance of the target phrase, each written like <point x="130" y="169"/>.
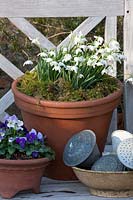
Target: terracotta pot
<point x="19" y="175"/>
<point x="61" y="120"/>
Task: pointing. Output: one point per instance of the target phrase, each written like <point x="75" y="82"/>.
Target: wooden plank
<point x="9" y="68"/>
<point x="61" y="8"/>
<point x="60" y="190"/>
<point x="111" y="33"/>
<point x="128" y="105"/>
<point x="128" y="65"/>
<point x="85" y="27"/>
<point x="31" y="32"/>
<point x="2" y="116"/>
<point x="6" y="101"/>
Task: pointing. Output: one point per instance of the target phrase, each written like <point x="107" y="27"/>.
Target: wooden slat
<point x="6" y="101"/>
<point x="111" y="32"/>
<point x="128" y="65"/>
<point x="85" y="27"/>
<point x="60" y="8"/>
<point x="9" y="68"/>
<point x="2" y="116"/>
<point x="62" y="190"/>
<point x="31" y="32"/>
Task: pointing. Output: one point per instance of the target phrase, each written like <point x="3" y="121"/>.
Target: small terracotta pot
<point x="19" y="175"/>
<point x="61" y="120"/>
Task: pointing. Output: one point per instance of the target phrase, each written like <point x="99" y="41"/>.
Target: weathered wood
<point x="2" y="116"/>
<point x="128" y="64"/>
<point x="31" y="32"/>
<point x="111" y="33"/>
<point x="85" y="27"/>
<point x="6" y="101"/>
<point x="9" y="68"/>
<point x="62" y="190"/>
<point x="60" y="8"/>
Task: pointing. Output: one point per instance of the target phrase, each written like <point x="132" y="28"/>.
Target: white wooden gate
<point x="96" y="11"/>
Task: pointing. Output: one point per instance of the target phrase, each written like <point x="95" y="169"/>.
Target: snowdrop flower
<point x="61" y="64"/>
<point x="28" y="62"/>
<point x="65" y="50"/>
<point x="99" y="39"/>
<point x="80" y="76"/>
<point x="57" y="68"/>
<point x="72" y="68"/>
<point x="84" y="47"/>
<point x="91" y="47"/>
<point x="67" y="57"/>
<point x="89" y="62"/>
<point x="53" y="63"/>
<point x="43" y="54"/>
<point x="79" y="39"/>
<point x="114" y="45"/>
<point x="78" y="51"/>
<point x="52" y="53"/>
<point x="110" y="60"/>
<point x="48" y="60"/>
<point x="36" y="41"/>
<point x="78" y="59"/>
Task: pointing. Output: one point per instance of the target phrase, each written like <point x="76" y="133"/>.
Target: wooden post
<point x="128" y="65"/>
<point x="111" y="33"/>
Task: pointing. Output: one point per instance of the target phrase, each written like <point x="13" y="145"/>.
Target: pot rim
<point x="27" y="162"/>
<point x="100" y="172"/>
<point x="67" y="104"/>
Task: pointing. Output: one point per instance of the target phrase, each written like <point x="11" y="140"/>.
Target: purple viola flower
<point x="31" y="136"/>
<point x="13" y="122"/>
<point x="21" y="141"/>
<point x="35" y="154"/>
<point x="40" y="137"/>
<point x="2" y="125"/>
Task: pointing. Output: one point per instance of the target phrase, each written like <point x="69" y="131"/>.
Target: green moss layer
<point x="62" y="91"/>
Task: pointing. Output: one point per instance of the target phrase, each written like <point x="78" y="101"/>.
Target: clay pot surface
<point x="61" y="120"/>
<point x="107" y="184"/>
<point x="19" y="175"/>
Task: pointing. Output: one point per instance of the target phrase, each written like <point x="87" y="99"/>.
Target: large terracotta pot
<point x="61" y="120"/>
<point x="19" y="175"/>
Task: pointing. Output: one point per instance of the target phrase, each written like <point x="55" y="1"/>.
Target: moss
<point x="61" y="90"/>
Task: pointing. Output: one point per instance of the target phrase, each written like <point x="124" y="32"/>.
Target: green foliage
<point x="61" y="90"/>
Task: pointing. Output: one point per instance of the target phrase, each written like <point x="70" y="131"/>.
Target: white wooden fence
<point x="96" y="11"/>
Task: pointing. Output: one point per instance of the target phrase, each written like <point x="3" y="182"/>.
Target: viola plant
<point x="16" y="142"/>
<point x="79" y="66"/>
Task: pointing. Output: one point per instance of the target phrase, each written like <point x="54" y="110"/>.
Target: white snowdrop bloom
<point x="61" y="64"/>
<point x="53" y="63"/>
<point x="28" y="62"/>
<point x="67" y="57"/>
<point x="89" y="62"/>
<point x="110" y="60"/>
<point x="43" y="54"/>
<point x="72" y="68"/>
<point x="96" y="43"/>
<point x="99" y="39"/>
<point x="91" y="47"/>
<point x="101" y="51"/>
<point x="48" y="60"/>
<point x="57" y="68"/>
<point x="78" y="59"/>
<point x="36" y="41"/>
<point x="52" y="53"/>
<point x="121" y="57"/>
<point x="84" y="47"/>
<point x="80" y="76"/>
<point x="78" y="50"/>
<point x="114" y="45"/>
<point x="65" y="50"/>
<point x="79" y="38"/>
<point x="95" y="57"/>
